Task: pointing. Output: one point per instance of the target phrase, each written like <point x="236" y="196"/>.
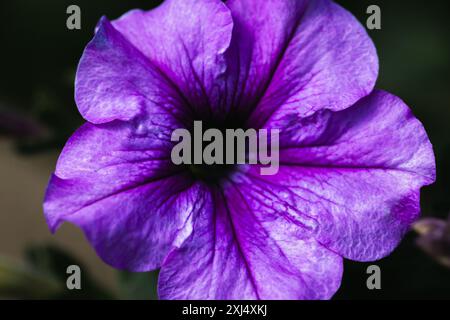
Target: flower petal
<point x="115" y="81"/>
<point x="186" y="39"/>
<point x="245" y="251"/>
<point x="312" y="52"/>
<point x="358" y="172"/>
<point x="116" y="182"/>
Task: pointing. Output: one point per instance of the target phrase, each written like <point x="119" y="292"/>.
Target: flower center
<point x="217" y="168"/>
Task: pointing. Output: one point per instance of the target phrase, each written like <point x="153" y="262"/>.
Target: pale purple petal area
<point x="116" y="181"/>
<point x="262" y="29"/>
<point x="187" y="40"/>
<point x="114" y="178"/>
<point x="131" y="229"/>
<point x="115" y="81"/>
<point x="358" y="172"/>
<point x="242" y="249"/>
<point x="300" y="55"/>
<point x="379" y="131"/>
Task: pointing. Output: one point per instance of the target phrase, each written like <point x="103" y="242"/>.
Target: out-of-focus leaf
<point x="19" y="125"/>
<point x="54" y="261"/>
<point x="138" y="286"/>
<point x="21" y="282"/>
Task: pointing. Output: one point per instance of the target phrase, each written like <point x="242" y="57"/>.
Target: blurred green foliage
<point x="43" y="275"/>
<point x="138" y="286"/>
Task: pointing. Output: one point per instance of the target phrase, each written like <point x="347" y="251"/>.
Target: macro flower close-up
<point x="352" y="158"/>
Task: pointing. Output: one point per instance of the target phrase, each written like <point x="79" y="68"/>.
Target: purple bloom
<point x="352" y="160"/>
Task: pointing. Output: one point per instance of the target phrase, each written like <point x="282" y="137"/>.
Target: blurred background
<point x="38" y="59"/>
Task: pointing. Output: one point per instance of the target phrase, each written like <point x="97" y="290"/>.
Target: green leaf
<point x="138" y="286"/>
<point x="22" y="282"/>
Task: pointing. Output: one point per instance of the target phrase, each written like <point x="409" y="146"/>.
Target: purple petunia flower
<point x="352" y="160"/>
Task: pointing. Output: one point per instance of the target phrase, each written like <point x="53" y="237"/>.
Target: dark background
<point x="38" y="58"/>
